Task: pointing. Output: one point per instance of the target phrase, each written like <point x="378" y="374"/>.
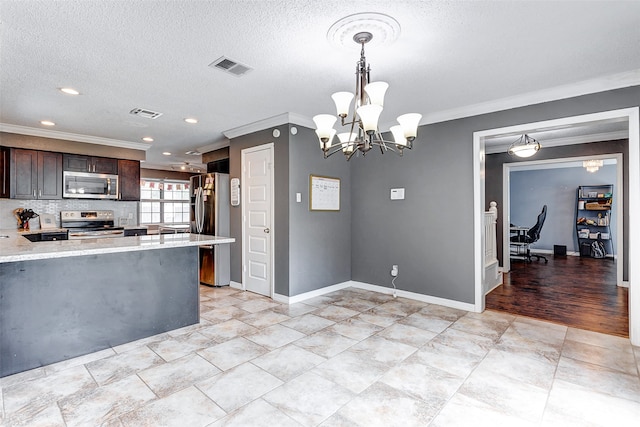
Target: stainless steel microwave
<point x="82" y="185"/>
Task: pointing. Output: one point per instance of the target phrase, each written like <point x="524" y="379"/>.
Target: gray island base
<point x="57" y="308"/>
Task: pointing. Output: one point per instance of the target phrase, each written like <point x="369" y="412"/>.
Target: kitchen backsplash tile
<point x="120" y="209"/>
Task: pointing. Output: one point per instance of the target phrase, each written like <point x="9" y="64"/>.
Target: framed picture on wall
<point x="324" y="193"/>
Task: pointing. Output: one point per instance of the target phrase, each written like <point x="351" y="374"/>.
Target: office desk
<point x="519" y="250"/>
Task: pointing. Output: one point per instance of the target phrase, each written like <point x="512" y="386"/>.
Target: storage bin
<point x="585" y="249"/>
<point x="604" y="236"/>
<point x="595" y="206"/>
<point x="559" y="250"/>
<point x="593" y="235"/>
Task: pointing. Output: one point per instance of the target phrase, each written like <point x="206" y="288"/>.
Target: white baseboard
<point x="415" y="296"/>
<point x="495" y="286"/>
<point x="311" y="294"/>
<point x="236" y="285"/>
<point x="375" y="288"/>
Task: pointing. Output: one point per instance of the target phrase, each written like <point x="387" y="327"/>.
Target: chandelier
<point x="525" y="146"/>
<point x="363" y="131"/>
<point x="592" y="165"/>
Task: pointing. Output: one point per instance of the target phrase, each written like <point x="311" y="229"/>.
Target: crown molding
<point x="585" y="87"/>
<point x="45" y="133"/>
<point x="280" y="119"/>
<point x="570" y="140"/>
<point x="215" y="146"/>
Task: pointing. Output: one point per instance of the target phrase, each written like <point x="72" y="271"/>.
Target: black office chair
<point x="533" y="235"/>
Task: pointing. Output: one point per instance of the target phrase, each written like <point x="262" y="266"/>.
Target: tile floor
<point x="349" y="358"/>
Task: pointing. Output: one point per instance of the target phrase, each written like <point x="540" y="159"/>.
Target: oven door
<point x="81" y="185"/>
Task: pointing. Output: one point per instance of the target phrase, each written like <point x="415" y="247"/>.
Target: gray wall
<point x="280" y="204"/>
<point x="319" y="242"/>
<point x="312" y="249"/>
<point x="429" y="235"/>
<point x="556" y="188"/>
<point x="494" y="162"/>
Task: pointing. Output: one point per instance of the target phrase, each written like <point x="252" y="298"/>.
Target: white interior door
<point x="257" y="214"/>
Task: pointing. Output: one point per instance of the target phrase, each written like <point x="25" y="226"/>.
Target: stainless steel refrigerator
<point x="210" y="215"/>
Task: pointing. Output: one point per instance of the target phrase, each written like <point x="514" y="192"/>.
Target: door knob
<point x="266" y="230"/>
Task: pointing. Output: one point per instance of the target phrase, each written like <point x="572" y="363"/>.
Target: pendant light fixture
<point x="363" y="133"/>
<point x="525" y="146"/>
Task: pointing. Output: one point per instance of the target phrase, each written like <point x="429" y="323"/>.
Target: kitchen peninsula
<point x="66" y="298"/>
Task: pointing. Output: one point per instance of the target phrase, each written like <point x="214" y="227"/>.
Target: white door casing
<point x="632" y="116"/>
<point x="257" y="219"/>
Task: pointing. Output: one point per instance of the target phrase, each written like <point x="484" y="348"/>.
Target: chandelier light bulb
<point x="347" y="139"/>
<point x="409" y="123"/>
<point x="398" y="136"/>
<point x="343" y="102"/>
<point x="376" y="91"/>
<point x="324" y="126"/>
<point x="326" y="140"/>
<point x="369" y="114"/>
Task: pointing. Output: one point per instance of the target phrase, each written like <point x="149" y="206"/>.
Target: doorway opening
<point x="570" y="288"/>
<point x="631" y="117"/>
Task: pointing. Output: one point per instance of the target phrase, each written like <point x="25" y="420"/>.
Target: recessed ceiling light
<point x="166" y="153"/>
<point x="47" y="123"/>
<point x="148" y="139"/>
<point x="183" y="167"/>
<point x="69" y="91"/>
<point x="191" y="120"/>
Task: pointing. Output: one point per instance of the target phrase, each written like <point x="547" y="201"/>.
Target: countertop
<point x="16" y="247"/>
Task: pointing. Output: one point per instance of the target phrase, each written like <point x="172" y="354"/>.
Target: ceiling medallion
<point x="383" y="28"/>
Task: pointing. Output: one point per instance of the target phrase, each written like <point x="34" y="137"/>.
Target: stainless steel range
<point x="90" y="224"/>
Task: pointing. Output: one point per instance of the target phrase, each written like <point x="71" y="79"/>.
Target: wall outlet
<point x="394" y="270"/>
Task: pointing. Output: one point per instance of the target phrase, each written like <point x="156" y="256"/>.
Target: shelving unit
<point x="593" y="217"/>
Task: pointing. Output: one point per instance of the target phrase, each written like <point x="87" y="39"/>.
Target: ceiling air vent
<point x="230" y="66"/>
<point x="193" y="153"/>
<point x="142" y="112"/>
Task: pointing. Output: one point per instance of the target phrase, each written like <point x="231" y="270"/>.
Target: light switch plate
<point x="397" y="194"/>
<point x="299" y="197"/>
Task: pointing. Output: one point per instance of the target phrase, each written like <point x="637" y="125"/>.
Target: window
<point x="164" y="202"/>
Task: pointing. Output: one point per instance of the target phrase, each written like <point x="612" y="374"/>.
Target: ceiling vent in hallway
<point x="230" y="66"/>
<point x="142" y="112"/>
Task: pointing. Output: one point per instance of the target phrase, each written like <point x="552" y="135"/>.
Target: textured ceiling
<point x="155" y="55"/>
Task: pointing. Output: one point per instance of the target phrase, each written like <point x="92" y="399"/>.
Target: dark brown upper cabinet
<point x="129" y="179"/>
<point x="78" y="163"/>
<point x="35" y="174"/>
<point x="4" y="172"/>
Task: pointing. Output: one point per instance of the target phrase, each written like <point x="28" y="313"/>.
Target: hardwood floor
<point x="574" y="291"/>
